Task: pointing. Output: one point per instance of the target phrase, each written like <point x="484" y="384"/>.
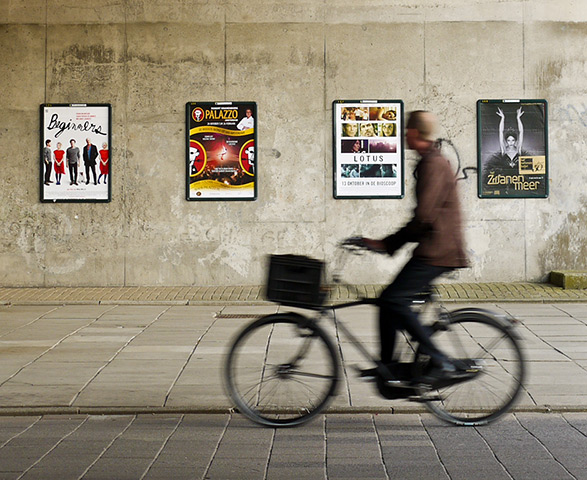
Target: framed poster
<point x="512" y="148"/>
<point x="75" y="160"/>
<point x="368" y="148"/>
<point x="220" y="151"/>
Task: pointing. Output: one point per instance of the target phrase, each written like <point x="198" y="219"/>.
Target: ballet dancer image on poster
<point x="513" y="151"/>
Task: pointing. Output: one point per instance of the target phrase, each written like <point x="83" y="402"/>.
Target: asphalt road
<point x="408" y="446"/>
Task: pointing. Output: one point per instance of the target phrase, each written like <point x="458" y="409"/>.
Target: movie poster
<point x="75" y="163"/>
<point x="221" y="142"/>
<point x="512" y="148"/>
<point x="368" y="149"/>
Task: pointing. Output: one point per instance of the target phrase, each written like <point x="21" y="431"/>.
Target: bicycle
<point x="284" y="368"/>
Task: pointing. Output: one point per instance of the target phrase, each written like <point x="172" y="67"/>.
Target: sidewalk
<point x="133" y="350"/>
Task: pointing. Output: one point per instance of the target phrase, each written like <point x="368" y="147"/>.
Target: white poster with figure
<point x="368" y="149"/>
<point x="75" y="163"/>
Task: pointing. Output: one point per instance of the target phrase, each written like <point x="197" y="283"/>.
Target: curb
<point x="245" y="303"/>
<point x="379" y="410"/>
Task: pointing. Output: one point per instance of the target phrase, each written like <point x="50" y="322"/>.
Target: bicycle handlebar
<point x="353" y="243"/>
<point x="358" y="245"/>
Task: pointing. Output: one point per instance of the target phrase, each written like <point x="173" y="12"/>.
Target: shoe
<point x="449" y="373"/>
<point x="389" y="371"/>
<point x="368" y="373"/>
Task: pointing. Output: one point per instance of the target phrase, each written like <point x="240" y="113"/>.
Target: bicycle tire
<point x="281" y="370"/>
<point x="496" y="350"/>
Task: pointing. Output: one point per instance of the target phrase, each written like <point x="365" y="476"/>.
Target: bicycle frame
<point x="301" y="378"/>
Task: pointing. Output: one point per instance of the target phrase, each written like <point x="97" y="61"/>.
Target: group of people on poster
<point x="75" y="152"/>
<point x="57" y="161"/>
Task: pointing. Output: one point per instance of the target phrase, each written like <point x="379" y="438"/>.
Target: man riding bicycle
<point x="436" y="227"/>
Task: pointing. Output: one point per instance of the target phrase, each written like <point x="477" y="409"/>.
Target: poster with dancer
<point x="75" y="158"/>
<point x="512" y="148"/>
<point x="221" y="162"/>
<point x="368" y="148"/>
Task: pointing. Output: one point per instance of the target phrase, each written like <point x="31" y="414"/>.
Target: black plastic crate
<point x="295" y="280"/>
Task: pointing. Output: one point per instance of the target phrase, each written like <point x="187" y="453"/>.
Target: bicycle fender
<point x="302" y="319"/>
<point x="505" y="320"/>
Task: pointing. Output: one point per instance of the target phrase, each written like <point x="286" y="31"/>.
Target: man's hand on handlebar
<point x="374" y="245"/>
<point x="365" y="243"/>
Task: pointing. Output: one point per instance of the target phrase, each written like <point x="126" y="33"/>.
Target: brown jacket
<point x="436" y="224"/>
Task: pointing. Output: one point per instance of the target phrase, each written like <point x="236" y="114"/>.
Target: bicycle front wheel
<point x="281" y="370"/>
<point x="492" y="350"/>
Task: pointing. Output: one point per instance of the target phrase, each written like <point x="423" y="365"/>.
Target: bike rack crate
<point x="294" y="280"/>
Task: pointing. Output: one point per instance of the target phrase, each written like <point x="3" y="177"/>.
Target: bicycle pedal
<point x="398" y="384"/>
<point x="421" y="399"/>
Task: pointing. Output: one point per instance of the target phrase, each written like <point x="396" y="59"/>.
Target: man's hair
<point x="47" y="142"/>
<point x="426" y="124"/>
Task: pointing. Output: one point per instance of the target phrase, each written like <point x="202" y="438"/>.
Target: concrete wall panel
<point x="287" y="82"/>
<point x="555" y="69"/>
<point x="148" y="58"/>
<point x="23" y="11"/>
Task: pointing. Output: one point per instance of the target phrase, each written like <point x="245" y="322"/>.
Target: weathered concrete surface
<point x="149" y="58"/>
<point x="569" y="279"/>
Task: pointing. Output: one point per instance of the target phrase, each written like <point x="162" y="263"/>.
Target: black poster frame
<point x="221" y="151"/>
<point x="62" y="123"/>
<point x="376" y="168"/>
<point x="512" y="148"/>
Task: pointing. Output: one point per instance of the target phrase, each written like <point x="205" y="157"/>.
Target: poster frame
<point x="337" y="155"/>
<point x="190" y="106"/>
<point x="482" y="152"/>
<point x="78" y="131"/>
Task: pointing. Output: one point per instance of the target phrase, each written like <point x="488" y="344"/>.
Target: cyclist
<point x="436" y="227"/>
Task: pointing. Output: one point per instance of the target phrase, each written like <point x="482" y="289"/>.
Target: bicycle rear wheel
<point x="492" y="350"/>
<point x="281" y="370"/>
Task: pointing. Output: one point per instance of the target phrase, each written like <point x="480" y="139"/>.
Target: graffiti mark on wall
<point x="573" y="113"/>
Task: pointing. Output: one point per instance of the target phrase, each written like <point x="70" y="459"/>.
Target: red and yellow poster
<point x="221" y="142"/>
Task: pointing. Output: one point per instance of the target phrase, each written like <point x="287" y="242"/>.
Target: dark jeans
<point x="48" y="171"/>
<point x="395" y="312"/>
<point x="90" y="168"/>
<point x="73" y="172"/>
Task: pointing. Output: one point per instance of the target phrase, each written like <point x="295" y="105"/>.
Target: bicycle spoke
<point x="282" y="370"/>
<point x="491" y="392"/>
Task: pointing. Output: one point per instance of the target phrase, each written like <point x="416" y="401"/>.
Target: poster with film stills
<point x="221" y="144"/>
<point x="75" y="159"/>
<point x="368" y="149"/>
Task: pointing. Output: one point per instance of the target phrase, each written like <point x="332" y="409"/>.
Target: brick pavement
<point x="384" y="447"/>
<point x="458" y="292"/>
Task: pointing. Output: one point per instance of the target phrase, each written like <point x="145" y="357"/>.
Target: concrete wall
<point x="148" y="58"/>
